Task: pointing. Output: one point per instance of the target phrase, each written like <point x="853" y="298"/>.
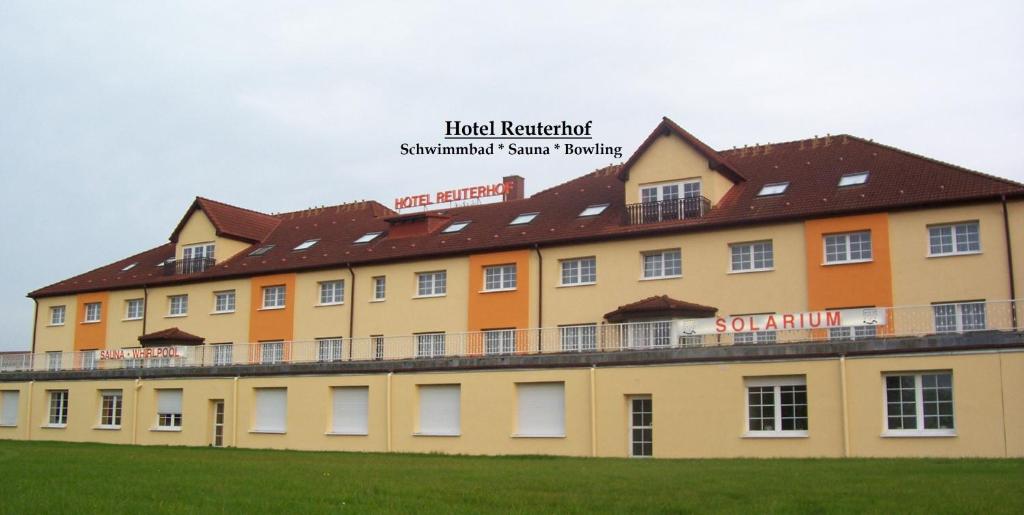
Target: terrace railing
<point x="189" y="266"/>
<point x="665" y="210"/>
<point x="635" y="336"/>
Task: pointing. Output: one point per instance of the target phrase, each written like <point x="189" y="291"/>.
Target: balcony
<point x="666" y="210"/>
<point x="188" y="266"/>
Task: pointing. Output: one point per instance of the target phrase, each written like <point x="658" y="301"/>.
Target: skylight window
<point x="594" y="210"/>
<point x="523" y="219"/>
<point x="777" y="188"/>
<point x="129" y="267"/>
<point x="368" y="237"/>
<point x="457" y="226"/>
<point x="306" y="244"/>
<point x="853" y="179"/>
<point x="262" y="250"/>
<point x="165" y="262"/>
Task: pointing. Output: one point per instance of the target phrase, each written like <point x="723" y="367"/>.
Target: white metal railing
<point x="898" y="322"/>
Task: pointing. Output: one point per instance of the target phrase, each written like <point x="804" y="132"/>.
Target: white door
<point x="641" y="427"/>
<point x="218" y="424"/>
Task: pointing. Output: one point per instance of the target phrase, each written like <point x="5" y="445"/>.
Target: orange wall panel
<point x="272" y="324"/>
<point x="854" y="284"/>
<point x="499" y="310"/>
<point x="92" y="335"/>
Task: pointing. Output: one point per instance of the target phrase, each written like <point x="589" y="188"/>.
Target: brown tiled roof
<point x="659" y="306"/>
<point x="231" y="221"/>
<point x="171" y="334"/>
<point x="898" y="180"/>
<point x="715" y="159"/>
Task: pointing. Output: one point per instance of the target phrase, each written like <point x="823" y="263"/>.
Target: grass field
<point x="92" y="478"/>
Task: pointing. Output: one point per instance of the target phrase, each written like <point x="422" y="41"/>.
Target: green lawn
<point x="92" y="478"/>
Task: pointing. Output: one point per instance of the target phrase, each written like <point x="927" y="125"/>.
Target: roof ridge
<point x="603" y="171"/>
<point x="225" y="204"/>
<point x="112" y="263"/>
<point x="344" y="206"/>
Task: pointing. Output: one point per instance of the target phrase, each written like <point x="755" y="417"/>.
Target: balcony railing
<point x="665" y="210"/>
<point x="593" y="338"/>
<point x="188" y="266"/>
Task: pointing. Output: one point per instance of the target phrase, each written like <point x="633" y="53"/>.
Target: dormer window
<point x="203" y="250"/>
<point x="523" y="219"/>
<point x="307" y="244"/>
<point x="593" y="210"/>
<point x="853" y="179"/>
<point x="777" y="188"/>
<point x="129" y="267"/>
<point x="368" y="237"/>
<point x="456" y="227"/>
<point x="671" y="191"/>
<point x="262" y="250"/>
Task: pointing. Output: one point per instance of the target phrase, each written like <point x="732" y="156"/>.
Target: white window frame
<point x="308" y="244"/>
<point x="919" y="402"/>
<point x="229" y="303"/>
<point x="755" y="337"/>
<point x="593" y="210"/>
<point x="647" y="427"/>
<point x="436" y="282"/>
<point x="524" y="218"/>
<point x="368" y="237"/>
<point x="853" y="179"/>
<point x="111" y="415"/>
<point x="329" y="349"/>
<point x="777" y="384"/>
<point x="177" y="305"/>
<point x="662" y="259"/>
<point x="380" y="288"/>
<point x="960" y="312"/>
<point x="748" y="253"/>
<point x="9" y="407"/>
<point x="223" y="354"/>
<point x="433" y="424"/>
<point x="93" y="312"/>
<point x="540" y="410"/>
<point x="198" y="251"/>
<point x="954" y="239"/>
<point x="430" y="345"/>
<point x="499" y="341"/>
<point x="456" y="227"/>
<point x="139" y="313"/>
<point x="54" y="361"/>
<point x="262" y="411"/>
<point x="581" y="271"/>
<point x="57" y="414"/>
<point x="350" y="410"/>
<point x="847" y="251"/>
<point x="332" y="293"/>
<point x="274" y="297"/>
<point x="169" y="419"/>
<point x="89" y="359"/>
<point x="500" y="277"/>
<point x="272" y="352"/>
<point x="773" y="189"/>
<point x="578" y="337"/>
<point x="56" y="320"/>
<point x="859" y="332"/>
<point x="663" y="191"/>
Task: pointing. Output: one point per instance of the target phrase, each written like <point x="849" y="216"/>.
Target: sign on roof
<point x="459" y="195"/>
<point x="783" y="322"/>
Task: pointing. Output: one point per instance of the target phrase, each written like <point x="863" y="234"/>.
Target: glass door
<point x="218" y="424"/>
<point x="641" y="427"/>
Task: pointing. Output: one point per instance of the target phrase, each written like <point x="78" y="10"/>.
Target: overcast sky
<point x="114" y="115"/>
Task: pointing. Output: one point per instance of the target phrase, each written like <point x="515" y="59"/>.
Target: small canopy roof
<point x="171" y="336"/>
<point x="661" y="306"/>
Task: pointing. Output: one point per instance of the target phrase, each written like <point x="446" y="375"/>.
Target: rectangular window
<point x="202" y="250"/>
<point x="351" y="409"/>
<point x="224" y="301"/>
<point x="273" y="297"/>
<point x="58" y="415"/>
<point x="641" y="426"/>
<point x="89" y="359"/>
<point x="57" y="315"/>
<point x="271" y="410"/>
<point x="754" y="337"/>
<point x="178" y="305"/>
<point x="168" y="409"/>
<point x="959" y="317"/>
<point x="439" y="410"/>
<point x="752" y="257"/>
<point x="579" y="271"/>
<point x="380" y="285"/>
<point x="666" y="263"/>
<point x="919" y="404"/>
<point x="643" y="335"/>
<point x="271" y="352"/>
<point x="329" y="349"/>
<point x="952" y="239"/>
<point x="853" y="333"/>
<point x="498" y="278"/>
<point x="223" y="354"/>
<point x="777" y="406"/>
<point x="378" y="346"/>
<point x="133" y="309"/>
<point x="578" y="338"/>
<point x="92" y="311"/>
<point x="332" y="292"/>
<point x="540" y="409"/>
<point x="499" y="341"/>
<point x="54" y="360"/>
<point x="429" y="345"/>
<point x="111" y="405"/>
<point x="431" y="284"/>
<point x="854" y="247"/>
<point x="9" y="407"/>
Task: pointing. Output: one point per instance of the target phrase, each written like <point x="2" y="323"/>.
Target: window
<point x="89" y="360"/>
<point x="9" y="408"/>
<point x="777" y="406"/>
<point x="919" y="404"/>
<point x="579" y="271"/>
<point x="499" y="341"/>
<point x="540" y="409"/>
<point x="58" y="415"/>
<point x="439" y="410"/>
<point x="853" y="179"/>
<point x="578" y="338"/>
<point x="952" y="239"/>
<point x="456" y="227"/>
<point x="642" y="335"/>
<point x="306" y="244"/>
<point x="54" y="361"/>
<point x="203" y="250"/>
<point x="754" y="337"/>
<point x="133" y="309"/>
<point x="224" y="301"/>
<point x="429" y="345"/>
<point x="92" y="311"/>
<point x="959" y="317"/>
<point x="130" y="266"/>
<point x="777" y="188"/>
<point x="271" y="352"/>
<point x="350" y="415"/>
<point x="262" y="250"/>
<point x="168" y="409"/>
<point x="752" y="257"/>
<point x="178" y="305"/>
<point x="57" y="315"/>
<point x="641" y="426"/>
<point x="667" y="192"/>
<point x="110" y="408"/>
<point x="273" y="297"/>
<point x="223" y="354"/>
<point x="854" y="247"/>
<point x="378" y="346"/>
<point x="663" y="264"/>
<point x="593" y="210"/>
<point x="523" y="219"/>
<point x="431" y="284"/>
<point x="853" y="333"/>
<point x="368" y="237"/>
<point x="271" y="410"/>
<point x="380" y="285"/>
<point x="498" y="278"/>
<point x="332" y="292"/>
<point x="329" y="349"/>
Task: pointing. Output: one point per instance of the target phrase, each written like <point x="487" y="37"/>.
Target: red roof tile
<point x="659" y="306"/>
<point x="171" y="334"/>
<point x="230" y="221"/>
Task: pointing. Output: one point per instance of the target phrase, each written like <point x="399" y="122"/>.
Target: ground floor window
<point x="540" y="409"/>
<point x="350" y="415"/>
<point x="777" y="406"/>
<point x="440" y="410"/>
<point x="919" y="403"/>
<point x="111" y="406"/>
<point x="641" y="426"/>
<point x="168" y="409"/>
<point x="9" y="407"/>
<point x="58" y="415"/>
<point x="271" y="410"/>
<point x="578" y="338"/>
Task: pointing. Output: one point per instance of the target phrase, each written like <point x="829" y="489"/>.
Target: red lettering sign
<point x="458" y="195"/>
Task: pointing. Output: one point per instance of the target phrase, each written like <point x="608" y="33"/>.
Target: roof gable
<point x="716" y="161"/>
<point x="230" y="221"/>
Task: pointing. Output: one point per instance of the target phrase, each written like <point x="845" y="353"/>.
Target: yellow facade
<point x="198" y="229"/>
<point x="670" y="159"/>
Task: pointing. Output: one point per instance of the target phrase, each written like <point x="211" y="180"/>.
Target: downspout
<point x="28" y="412"/>
<point x="234" y="414"/>
<point x="540" y="299"/>
<point x="135" y="411"/>
<point x="35" y="324"/>
<point x="846" y="415"/>
<point x="1009" y="265"/>
<point x="351" y="309"/>
<point x="593" y="411"/>
<point x="389" y="411"/>
<point x="145" y="306"/>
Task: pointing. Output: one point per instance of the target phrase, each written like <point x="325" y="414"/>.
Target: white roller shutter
<point x="9" y="408"/>
<point x="271" y="410"/>
<point x="439" y="409"/>
<point x="168" y="401"/>
<point x="541" y="409"/>
<point x="351" y="410"/>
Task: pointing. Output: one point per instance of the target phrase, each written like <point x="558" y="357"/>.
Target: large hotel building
<point x="825" y="297"/>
